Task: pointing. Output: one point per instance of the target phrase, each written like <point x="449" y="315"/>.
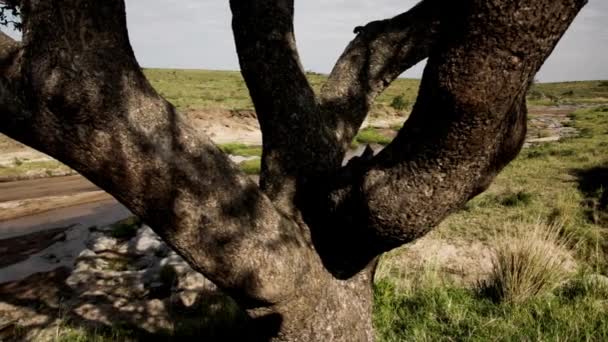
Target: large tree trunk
<point x="339" y="311"/>
<point x="299" y="252"/>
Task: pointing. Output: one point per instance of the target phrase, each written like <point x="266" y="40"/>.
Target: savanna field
<point x="527" y="260"/>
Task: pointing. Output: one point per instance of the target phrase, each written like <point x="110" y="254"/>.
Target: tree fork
<point x="298" y="253"/>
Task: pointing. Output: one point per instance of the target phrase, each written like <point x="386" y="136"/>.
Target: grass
<point x="529" y="261"/>
<point x="576" y="312"/>
<point x="251" y="167"/>
<point x="202" y="89"/>
<point x="579" y="92"/>
<point x="21" y="168"/>
<point x="238" y="149"/>
<point x="514" y="199"/>
<point x="371" y="135"/>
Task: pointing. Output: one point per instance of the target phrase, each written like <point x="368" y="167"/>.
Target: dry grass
<point x="530" y="261"/>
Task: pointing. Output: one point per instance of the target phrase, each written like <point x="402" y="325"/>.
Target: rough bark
<point x="297" y="142"/>
<point x="298" y="252"/>
<point x="381" y="51"/>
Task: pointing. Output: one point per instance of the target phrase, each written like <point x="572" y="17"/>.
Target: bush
<point x="400" y="103"/>
<point x="527" y="263"/>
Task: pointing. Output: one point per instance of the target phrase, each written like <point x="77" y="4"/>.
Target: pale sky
<point x="196" y="34"/>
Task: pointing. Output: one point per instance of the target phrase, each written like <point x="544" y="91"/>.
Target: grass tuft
<point x="527" y="264"/>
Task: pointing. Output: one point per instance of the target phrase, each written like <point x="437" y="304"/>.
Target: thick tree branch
<point x="93" y="109"/>
<point x="298" y="143"/>
<point x="381" y="52"/>
<point x="468" y="123"/>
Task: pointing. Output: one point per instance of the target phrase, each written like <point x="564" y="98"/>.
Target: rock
<point x="85" y="253"/>
<point x="99" y="243"/>
<point x="146" y="242"/>
<point x="194" y="281"/>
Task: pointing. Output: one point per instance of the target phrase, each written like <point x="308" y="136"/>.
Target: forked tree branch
<point x="91" y="107"/>
<point x="467" y="124"/>
<point x="298" y="142"/>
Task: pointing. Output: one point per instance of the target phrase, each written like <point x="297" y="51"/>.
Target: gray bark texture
<point x="299" y="251"/>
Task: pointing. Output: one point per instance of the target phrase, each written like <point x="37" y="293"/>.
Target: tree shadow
<point x="593" y="184"/>
<point x="112" y="305"/>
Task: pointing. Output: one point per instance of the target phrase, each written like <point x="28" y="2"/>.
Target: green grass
<point x="251" y="167"/>
<point x="238" y="149"/>
<point x="576" y="312"/>
<point x="514" y="199"/>
<point x="579" y="92"/>
<point x="201" y="89"/>
<point x="371" y="135"/>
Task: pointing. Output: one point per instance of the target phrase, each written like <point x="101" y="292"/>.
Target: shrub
<point x="527" y="263"/>
<point x="400" y="103"/>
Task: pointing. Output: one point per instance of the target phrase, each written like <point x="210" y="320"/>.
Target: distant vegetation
<point x="568" y="93"/>
<point x="200" y="89"/>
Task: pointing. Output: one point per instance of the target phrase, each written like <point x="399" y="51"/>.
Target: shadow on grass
<point x="43" y="302"/>
<point x="593" y="184"/>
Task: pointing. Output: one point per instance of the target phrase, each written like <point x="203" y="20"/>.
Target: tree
<point x="299" y="251"/>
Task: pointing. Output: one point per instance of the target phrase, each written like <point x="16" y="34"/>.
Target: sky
<point x="196" y="34"/>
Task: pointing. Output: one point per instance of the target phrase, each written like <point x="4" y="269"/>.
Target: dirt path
<point x="36" y="188"/>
